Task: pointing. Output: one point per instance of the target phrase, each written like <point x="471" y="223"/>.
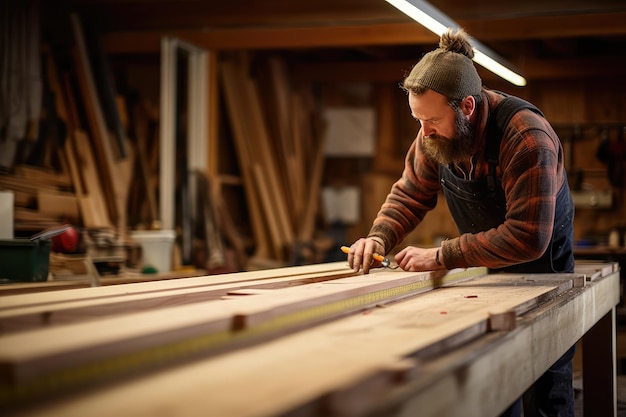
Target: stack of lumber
<point x="204" y="344"/>
<point x="279" y="149"/>
<point x="43" y="197"/>
<point x="83" y="179"/>
<point x="106" y="155"/>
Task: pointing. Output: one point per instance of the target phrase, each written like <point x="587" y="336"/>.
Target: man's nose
<point x="427" y="129"/>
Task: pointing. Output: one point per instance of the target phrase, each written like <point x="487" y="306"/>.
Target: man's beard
<point x="450" y="150"/>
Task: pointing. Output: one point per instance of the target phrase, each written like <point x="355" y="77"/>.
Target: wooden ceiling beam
<point x="279" y="38"/>
<point x="391" y="71"/>
<point x="121" y="15"/>
<point x="543" y="27"/>
<point x="372" y="34"/>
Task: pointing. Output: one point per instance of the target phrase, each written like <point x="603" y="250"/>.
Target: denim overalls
<point x="479" y="205"/>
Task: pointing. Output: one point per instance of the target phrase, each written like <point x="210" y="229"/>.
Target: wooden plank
<point x="284" y="136"/>
<point x="266" y="195"/>
<point x="25" y="215"/>
<point x="80" y="160"/>
<point x="62" y="204"/>
<point x="58" y="284"/>
<point x="100" y="135"/>
<point x="319" y="364"/>
<point x="206" y="218"/>
<point x="43" y="175"/>
<point x="103" y="81"/>
<point x="313" y="186"/>
<point x="265" y="155"/>
<point x="94" y="209"/>
<point x="115" y="173"/>
<point x="83" y="199"/>
<point x="23" y="288"/>
<point x="144" y="181"/>
<point x="298" y="272"/>
<point x="594" y="270"/>
<point x="27" y="185"/>
<point x="236" y="106"/>
<point x="213" y="115"/>
<point x="46" y="315"/>
<point x="380" y="287"/>
<point x="227" y="224"/>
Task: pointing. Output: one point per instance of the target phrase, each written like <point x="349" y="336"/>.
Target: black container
<point x="24" y="260"/>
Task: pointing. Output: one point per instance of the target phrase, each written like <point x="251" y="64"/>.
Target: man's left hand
<point x="416" y="259"/>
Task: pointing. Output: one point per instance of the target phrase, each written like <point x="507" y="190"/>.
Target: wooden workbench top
<point x="461" y="335"/>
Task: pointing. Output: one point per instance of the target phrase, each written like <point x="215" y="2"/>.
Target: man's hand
<point x="418" y="259"/>
<point x="361" y="254"/>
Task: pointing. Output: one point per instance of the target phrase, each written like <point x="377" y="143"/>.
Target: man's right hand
<point x="361" y="254"/>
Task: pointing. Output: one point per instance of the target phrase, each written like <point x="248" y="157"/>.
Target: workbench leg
<point x="600" y="368"/>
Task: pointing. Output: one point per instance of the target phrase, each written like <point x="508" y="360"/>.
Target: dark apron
<point x="477" y="207"/>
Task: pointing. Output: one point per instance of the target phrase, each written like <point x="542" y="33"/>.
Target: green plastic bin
<point x="24" y="260"/>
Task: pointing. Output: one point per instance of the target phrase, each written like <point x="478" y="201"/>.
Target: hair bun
<point x="458" y="42"/>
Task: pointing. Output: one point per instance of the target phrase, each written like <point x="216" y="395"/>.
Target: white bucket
<point x="156" y="247"/>
<point x="6" y="214"/>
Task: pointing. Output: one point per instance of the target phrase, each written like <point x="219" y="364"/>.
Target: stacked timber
<point x="98" y="168"/>
<point x="43" y="197"/>
<point x="334" y="342"/>
<point x="73" y="172"/>
<point x="280" y="152"/>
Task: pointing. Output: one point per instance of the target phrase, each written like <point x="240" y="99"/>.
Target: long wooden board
<point x="115" y="172"/>
<point x="83" y="294"/>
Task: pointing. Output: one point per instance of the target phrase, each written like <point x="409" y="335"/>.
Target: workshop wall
<point x="589" y="115"/>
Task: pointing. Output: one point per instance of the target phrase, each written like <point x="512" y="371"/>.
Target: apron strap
<point x="499" y="119"/>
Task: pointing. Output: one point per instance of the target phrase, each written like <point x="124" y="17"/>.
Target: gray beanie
<point x="448" y="70"/>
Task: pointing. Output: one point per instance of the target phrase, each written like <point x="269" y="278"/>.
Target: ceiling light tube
<point x="434" y="20"/>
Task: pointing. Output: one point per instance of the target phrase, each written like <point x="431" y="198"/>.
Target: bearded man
<point x="500" y="167"/>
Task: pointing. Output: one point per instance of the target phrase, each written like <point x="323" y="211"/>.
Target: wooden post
<point x="599" y="367"/>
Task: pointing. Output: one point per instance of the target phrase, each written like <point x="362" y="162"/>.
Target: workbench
<point x="315" y="340"/>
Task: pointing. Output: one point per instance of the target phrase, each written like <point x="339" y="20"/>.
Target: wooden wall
<point x="583" y="111"/>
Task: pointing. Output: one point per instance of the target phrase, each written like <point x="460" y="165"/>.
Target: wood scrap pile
<point x="279" y="143"/>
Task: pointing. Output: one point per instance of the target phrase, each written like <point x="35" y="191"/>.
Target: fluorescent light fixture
<point x="437" y="22"/>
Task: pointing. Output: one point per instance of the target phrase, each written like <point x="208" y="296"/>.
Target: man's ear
<point x="468" y="105"/>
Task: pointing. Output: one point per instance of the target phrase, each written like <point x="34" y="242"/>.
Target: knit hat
<point x="448" y="70"/>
